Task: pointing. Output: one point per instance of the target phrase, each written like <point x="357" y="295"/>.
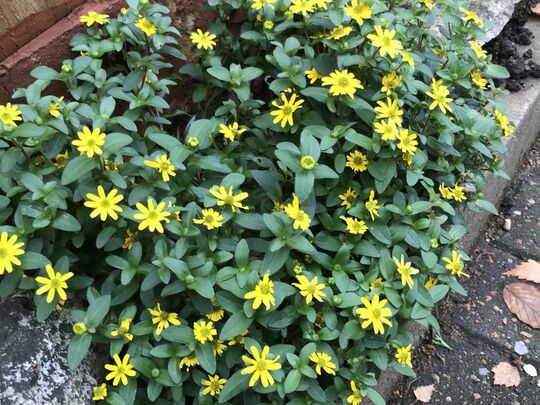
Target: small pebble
<point x="436" y="378"/>
<point x="507" y="224"/>
<point x="531" y="201"/>
<point x="530" y="369"/>
<point x="448" y="399"/>
<point x="516" y="212"/>
<point x="520" y="348"/>
<point x="483" y="371"/>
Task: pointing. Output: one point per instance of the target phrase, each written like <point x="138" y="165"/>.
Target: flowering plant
<point x="275" y="246"/>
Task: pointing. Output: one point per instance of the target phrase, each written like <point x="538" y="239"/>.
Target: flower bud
<point x="337" y="300"/>
<point x="79" y="328"/>
<point x="155" y="372"/>
<point x="268" y="25"/>
<point x="190" y="279"/>
<point x="67" y="68"/>
<point x="307" y="162"/>
<point x="192" y="141"/>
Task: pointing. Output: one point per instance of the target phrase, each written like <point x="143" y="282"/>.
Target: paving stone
<point x="498" y="13"/>
<point x="33" y="365"/>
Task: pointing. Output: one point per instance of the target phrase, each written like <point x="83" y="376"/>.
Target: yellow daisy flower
<point x="203" y="40"/>
<point x="313" y="75"/>
<point x="146" y="26"/>
<point x="189" y="361"/>
<point x="301" y="219"/>
<point x="389" y="82"/>
<point x="9" y="114"/>
<point x="94" y="18"/>
<point x="123" y="330"/>
<point x="9" y="250"/>
<point x="163" y="166"/>
<point x="358" y="11"/>
<point x="303" y="7"/>
<point x="100" y="392"/>
<point x="403" y="356"/>
<point x="387" y="129"/>
<point x="477" y="79"/>
<point x="262" y="294"/>
<point x="210" y="218"/>
<point x="355" y="226"/>
<point x="213" y="385"/>
<point x="204" y="331"/>
<point x="152" y="216"/>
<point x="54" y="285"/>
<point x="54" y="108"/>
<point x="355" y="398"/>
<point x="406" y="270"/>
<point x="339" y="32"/>
<point x="89" y="142"/>
<point x="260" y="366"/>
<point x="120" y="371"/>
<point x="227" y="197"/>
<point x="258" y="4"/>
<point x="454" y="264"/>
<point x="439" y="93"/>
<point x="323" y="361"/>
<point x="347" y="198"/>
<point x="310" y="289"/>
<point x="384" y="40"/>
<point x="103" y="204"/>
<point x="163" y="319"/>
<point x="216" y="315"/>
<point x="407" y="141"/>
<point x="376" y="313"/>
<point x="231" y="131"/>
<point x="372" y="205"/>
<point x="342" y="82"/>
<point x="357" y="161"/>
<point x="285" y="111"/>
<point x="390" y="111"/>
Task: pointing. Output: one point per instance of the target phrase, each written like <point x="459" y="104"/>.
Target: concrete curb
<point x="524" y="109"/>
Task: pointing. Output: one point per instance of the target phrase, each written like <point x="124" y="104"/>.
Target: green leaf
<point x="206" y="357"/>
<point x="44" y="73"/>
<point x="77" y="349"/>
<point x="292" y="381"/>
<point x="235" y="325"/>
<point x="66" y="222"/>
<point x="234" y="385"/>
<point x="220" y="73"/>
<point x="76" y="168"/>
<point x="179" y="334"/>
<point x="116" y="141"/>
<point x="496" y="71"/>
<point x="33" y="260"/>
<point x="97" y="310"/>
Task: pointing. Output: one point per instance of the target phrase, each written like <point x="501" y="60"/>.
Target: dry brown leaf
<point x="424" y="393"/>
<point x="524" y="301"/>
<point x="506" y="374"/>
<point x="536" y="10"/>
<point x="529" y="270"/>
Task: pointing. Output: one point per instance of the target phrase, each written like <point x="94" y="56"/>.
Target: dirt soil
<point x="506" y="49"/>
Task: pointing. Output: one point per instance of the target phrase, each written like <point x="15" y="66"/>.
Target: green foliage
<point x="303" y="205"/>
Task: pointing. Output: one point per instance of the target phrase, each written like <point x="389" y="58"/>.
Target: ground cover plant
<point x="272" y="244"/>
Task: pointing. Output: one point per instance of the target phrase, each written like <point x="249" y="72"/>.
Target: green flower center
<point x="307" y="162"/>
<point x="287" y="110"/>
<point x="3" y="252"/>
<point x="376" y="313"/>
<point x="343" y="82"/>
<point x="265" y="288"/>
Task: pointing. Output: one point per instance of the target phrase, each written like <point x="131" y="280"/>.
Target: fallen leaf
<point x="520" y="348"/>
<point x="529" y="270"/>
<point x="424" y="393"/>
<point x="483" y="371"/>
<point x="524" y="301"/>
<point x="530" y="369"/>
<point x="477" y="395"/>
<point x="536" y="10"/>
<point x="506" y="374"/>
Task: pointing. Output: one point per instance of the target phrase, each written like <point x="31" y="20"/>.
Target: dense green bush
<point x="275" y="246"/>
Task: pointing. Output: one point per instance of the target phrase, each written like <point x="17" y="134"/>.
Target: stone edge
<point x="524" y="108"/>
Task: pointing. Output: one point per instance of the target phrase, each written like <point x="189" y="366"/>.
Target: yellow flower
<point x="129" y="240"/>
<point x="472" y="16"/>
<point x="218" y="347"/>
<point x="377" y="283"/>
<point x="389" y="110"/>
<point x="372" y="205"/>
<point x="313" y="75"/>
<point x="9" y="114"/>
<point x="431" y="282"/>
<point x="55" y="284"/>
<point x="210" y="218"/>
<point x="302" y="7"/>
<point x="446" y="192"/>
<point x="123" y="330"/>
<point x="403" y="356"/>
<point x="240" y="339"/>
<point x="260" y="366"/>
<point x="477" y="48"/>
<point x="123" y="10"/>
<point x="389" y="82"/>
<point x="189" y="361"/>
<point x="355" y="398"/>
<point x="354" y="226"/>
<point x="439" y="93"/>
<point x="163" y="166"/>
<point x="427" y="3"/>
<point x="384" y="40"/>
<point x="89" y="142"/>
<point x="285" y="111"/>
<point x="358" y="11"/>
<point x="258" y="4"/>
<point x="454" y="264"/>
<point x="407" y="58"/>
<point x="387" y="129"/>
<point x="339" y="32"/>
<point x="406" y="270"/>
<point x="310" y="289"/>
<point x="79" y="328"/>
<point x="9" y="250"/>
<point x="120" y="371"/>
<point x="231" y="131"/>
<point x="323" y="361"/>
<point x="163" y="319"/>
<point x="262" y="294"/>
<point x="111" y="166"/>
<point x="300" y="218"/>
<point x="204" y="331"/>
<point x="227" y="197"/>
<point x="55" y="107"/>
<point x="216" y="315"/>
<point x="504" y="123"/>
<point x="477" y="79"/>
<point x="458" y="194"/>
<point x="342" y="82"/>
<point x="213" y="385"/>
<point x="268" y="25"/>
<point x="203" y="40"/>
<point x="347" y="198"/>
<point x="94" y="18"/>
<point x="100" y="392"/>
<point x="146" y="26"/>
<point x="357" y="161"/>
<point x="104" y="204"/>
<point x="407" y="142"/>
<point x="375" y="312"/>
<point x="152" y="216"/>
<point x="59" y="159"/>
<point x="322" y="4"/>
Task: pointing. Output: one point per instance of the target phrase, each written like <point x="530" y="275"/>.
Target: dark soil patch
<point x="505" y="52"/>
